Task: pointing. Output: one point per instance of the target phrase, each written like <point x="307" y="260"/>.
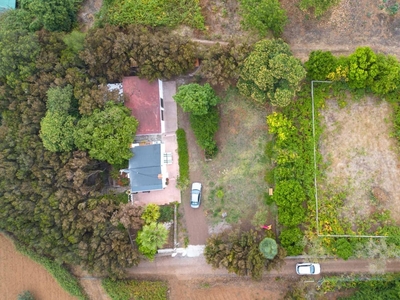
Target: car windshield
<point x="195" y="196"/>
<point x="312" y="270"/>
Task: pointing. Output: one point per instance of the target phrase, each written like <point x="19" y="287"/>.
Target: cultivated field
<point x="18" y="273"/>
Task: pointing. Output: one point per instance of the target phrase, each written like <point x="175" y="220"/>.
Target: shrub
<point x="151" y="213"/>
<point x="319" y="6"/>
<point x="26" y="295"/>
<point x="196" y="99"/>
<point x="291" y="239"/>
<point x="269" y="248"/>
<point x="183" y="180"/>
<point x="263" y="15"/>
<point x="363" y="68"/>
<point x="204" y="128"/>
<point x="166" y="213"/>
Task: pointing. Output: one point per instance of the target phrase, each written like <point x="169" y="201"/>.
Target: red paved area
<point x="144" y="101"/>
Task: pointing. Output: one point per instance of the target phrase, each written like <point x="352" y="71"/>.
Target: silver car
<point x="308" y="268"/>
<point x="195" y="195"/>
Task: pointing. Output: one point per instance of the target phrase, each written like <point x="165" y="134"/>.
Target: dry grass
<point x="236" y="176"/>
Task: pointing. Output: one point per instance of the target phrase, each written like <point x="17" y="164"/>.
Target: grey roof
<point x="145" y="167"/>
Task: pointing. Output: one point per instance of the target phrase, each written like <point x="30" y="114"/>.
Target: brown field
<point x="18" y="273"/>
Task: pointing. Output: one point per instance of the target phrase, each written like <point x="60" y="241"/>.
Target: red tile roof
<point x="144" y="101"/>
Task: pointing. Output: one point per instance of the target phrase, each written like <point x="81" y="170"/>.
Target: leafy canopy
<point x="52" y="15"/>
<point x="271" y="73"/>
<point x="196" y="99"/>
<point x="106" y="134"/>
<point x="263" y="15"/>
<point x="150" y="238"/>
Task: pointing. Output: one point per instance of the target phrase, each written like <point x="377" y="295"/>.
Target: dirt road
<point x="186" y="268"/>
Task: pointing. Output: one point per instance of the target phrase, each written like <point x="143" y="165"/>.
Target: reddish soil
<point x="18" y="273"/>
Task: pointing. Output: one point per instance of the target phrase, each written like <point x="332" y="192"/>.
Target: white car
<point x="308" y="268"/>
<point x="195" y="195"/>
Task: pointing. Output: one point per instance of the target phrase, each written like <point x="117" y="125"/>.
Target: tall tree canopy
<point x="52" y="15"/>
<point x="271" y="73"/>
<point x="106" y="134"/>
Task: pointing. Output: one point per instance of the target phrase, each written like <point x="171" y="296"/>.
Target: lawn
<point x="235" y="177"/>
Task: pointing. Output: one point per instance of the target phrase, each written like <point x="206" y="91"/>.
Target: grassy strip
<point x="153" y="13"/>
<point x="183" y="180"/>
<point x="136" y="290"/>
<point x="64" y="278"/>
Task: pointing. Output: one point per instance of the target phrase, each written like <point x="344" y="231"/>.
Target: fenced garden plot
<point x="235" y="177"/>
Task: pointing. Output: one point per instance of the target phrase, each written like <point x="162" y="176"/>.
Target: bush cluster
<point x="204" y="128"/>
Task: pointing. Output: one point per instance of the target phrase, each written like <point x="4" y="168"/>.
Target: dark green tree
<point x="221" y="63"/>
<point x="320" y="64"/>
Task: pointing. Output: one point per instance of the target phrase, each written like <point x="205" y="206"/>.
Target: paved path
<point x="187" y="268"/>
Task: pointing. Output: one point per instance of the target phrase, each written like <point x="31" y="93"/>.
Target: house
<point x="147" y="170"/>
<point x="145" y="99"/>
<point x="7" y="4"/>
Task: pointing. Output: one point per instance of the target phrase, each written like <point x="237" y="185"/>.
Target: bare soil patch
<point x="18" y="273"/>
<point x="351" y="24"/>
<point x="362" y="157"/>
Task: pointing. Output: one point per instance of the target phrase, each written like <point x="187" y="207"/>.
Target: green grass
<point x="238" y="171"/>
<point x="135" y="290"/>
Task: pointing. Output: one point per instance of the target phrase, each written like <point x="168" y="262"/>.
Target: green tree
<point x="269" y="248"/>
<point x="53" y="15"/>
<point x="263" y="15"/>
<point x="107" y="133"/>
<point x="387" y="79"/>
<point x="59" y="99"/>
<point x="18" y="51"/>
<point x="150" y="238"/>
<point x="57" y="132"/>
<point x="270" y="72"/>
<point x="196" y="99"/>
<point x="237" y="251"/>
<point x="363" y="68"/>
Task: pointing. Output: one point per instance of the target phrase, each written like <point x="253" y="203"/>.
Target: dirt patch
<point x="18" y="273"/>
<point x="362" y="156"/>
<point x="351" y="24"/>
<point x="87" y="12"/>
